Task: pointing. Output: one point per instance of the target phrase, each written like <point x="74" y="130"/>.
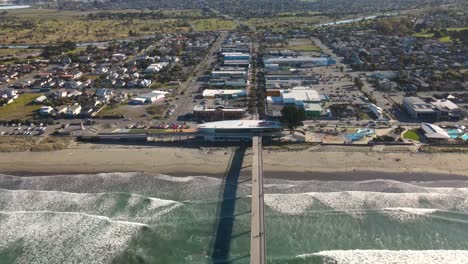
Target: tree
<point x="293" y="116"/>
<point x="384" y="27"/>
<point x="358" y="83"/>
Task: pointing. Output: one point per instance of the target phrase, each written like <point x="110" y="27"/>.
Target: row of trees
<point x="50" y="51"/>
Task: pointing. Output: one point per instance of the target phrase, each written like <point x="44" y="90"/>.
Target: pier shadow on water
<point x="226" y="210"/>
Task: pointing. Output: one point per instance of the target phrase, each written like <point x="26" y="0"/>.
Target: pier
<point x="257" y="233"/>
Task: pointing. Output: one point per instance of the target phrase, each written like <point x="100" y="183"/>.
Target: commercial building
<point x="228" y="82"/>
<point x="229" y="73"/>
<point x="299" y="61"/>
<point x="239" y="130"/>
<point x="236" y="59"/>
<point x="448" y="110"/>
<point x="149" y="98"/>
<point x="300" y="96"/>
<point x="228" y="93"/>
<point x="313" y="111"/>
<point x="434" y="132"/>
<point x="377" y="111"/>
<point x="216" y="113"/>
<point x="285" y="81"/>
<point x="420" y="110"/>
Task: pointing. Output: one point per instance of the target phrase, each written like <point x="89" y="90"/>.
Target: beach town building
<point x="228" y="82"/>
<point x="274" y="82"/>
<point x="448" y="110"/>
<point x="298" y="62"/>
<point x="156" y="67"/>
<point x="227" y="93"/>
<point x="205" y="113"/>
<point x="7" y="96"/>
<point x="420" y="110"/>
<point x="73" y="110"/>
<point x="434" y="133"/>
<point x="303" y="97"/>
<point x="45" y="110"/>
<point x="239" y="130"/>
<point x="236" y="59"/>
<point x="40" y="99"/>
<point x="300" y="95"/>
<point x="313" y="111"/>
<point x="376" y="110"/>
<point x="149" y="98"/>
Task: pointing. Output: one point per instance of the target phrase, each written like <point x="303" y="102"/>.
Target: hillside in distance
<point x="251" y="8"/>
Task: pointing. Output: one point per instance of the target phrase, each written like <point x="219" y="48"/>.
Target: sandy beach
<point x="322" y="164"/>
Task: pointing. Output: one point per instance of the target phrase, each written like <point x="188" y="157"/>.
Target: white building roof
<point x="241" y="124"/>
<point x="40" y="99"/>
<point x="152" y="94"/>
<point x="313" y="107"/>
<point x="434" y="131"/>
<point x="211" y="92"/>
<point x="296" y="59"/>
<point x="301" y="94"/>
<point x="447" y="104"/>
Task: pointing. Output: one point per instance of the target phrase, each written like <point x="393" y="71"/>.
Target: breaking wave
<point x="117" y="206"/>
<point x="388" y="256"/>
<point x="354" y="201"/>
<point x="57" y="237"/>
<point x="141" y="218"/>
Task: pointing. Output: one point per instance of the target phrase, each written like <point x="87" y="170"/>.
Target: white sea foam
<point x="118" y="206"/>
<point x="52" y="237"/>
<point x="160" y="186"/>
<point x="356" y="201"/>
<point x="392" y="257"/>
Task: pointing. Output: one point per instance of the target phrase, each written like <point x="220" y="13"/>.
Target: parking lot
<point x="23" y="130"/>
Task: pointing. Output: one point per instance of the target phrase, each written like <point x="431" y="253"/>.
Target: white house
<point x="156" y="67"/>
<point x="74" y="93"/>
<point x="40" y="99"/>
<point x="73" y="110"/>
<point x="8" y="93"/>
<point x="119" y="56"/>
<point x="150" y="98"/>
<point x="61" y="109"/>
<point x="45" y="110"/>
<point x="104" y="93"/>
<point x="145" y="83"/>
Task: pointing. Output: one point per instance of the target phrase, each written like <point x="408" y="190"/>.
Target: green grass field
<point x="22" y="108"/>
<point x="46" y="26"/>
<point x="283" y="24"/>
<point x="412" y="135"/>
<point x="112" y="110"/>
<point x="213" y="24"/>
<point x="305" y="48"/>
<point x="8" y="52"/>
<point x="446" y="39"/>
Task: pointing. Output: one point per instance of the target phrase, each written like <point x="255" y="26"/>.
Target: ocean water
<point x="140" y="218"/>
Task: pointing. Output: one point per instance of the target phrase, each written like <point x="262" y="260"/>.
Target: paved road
<point x="185" y="103"/>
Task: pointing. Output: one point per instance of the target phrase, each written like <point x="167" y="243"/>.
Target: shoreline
<point x="308" y="164"/>
<point x="351" y="176"/>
